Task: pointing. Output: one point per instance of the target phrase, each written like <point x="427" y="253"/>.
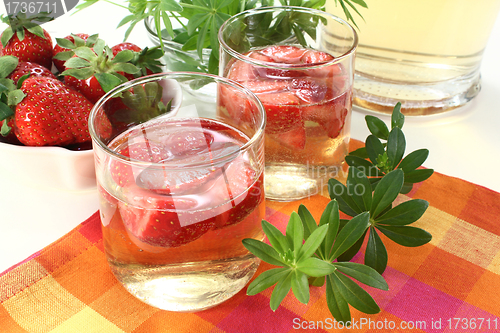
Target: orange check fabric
<point x="450" y="284"/>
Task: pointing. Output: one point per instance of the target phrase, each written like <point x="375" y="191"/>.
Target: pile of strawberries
<point x="47" y="92"/>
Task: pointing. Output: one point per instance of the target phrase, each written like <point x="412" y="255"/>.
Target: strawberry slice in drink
<point x="239" y="192"/>
<point x="293" y="96"/>
<point x="178" y="172"/>
<point x="266" y="73"/>
<point x="159" y="220"/>
<point x="123" y="173"/>
<point x="294" y="138"/>
<point x="285" y="53"/>
<point x="169" y="208"/>
<point x="330" y="116"/>
<point x="310" y="90"/>
<point x="282" y="111"/>
<point x="184" y="178"/>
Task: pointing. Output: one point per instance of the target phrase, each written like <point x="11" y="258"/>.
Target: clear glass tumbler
<point x="425" y="54"/>
<point x="300" y="63"/>
<point x="180" y="186"/>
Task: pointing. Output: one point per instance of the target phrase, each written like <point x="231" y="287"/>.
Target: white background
<point x="464" y="143"/>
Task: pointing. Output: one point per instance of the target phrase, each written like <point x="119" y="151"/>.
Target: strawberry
<point x="273" y="73"/>
<point x="145" y="59"/>
<point x="294" y="138"/>
<point x="125" y="46"/>
<point x="95" y="71"/>
<point x="123" y="174"/>
<point x="8" y="135"/>
<point x="90" y="87"/>
<point x="241" y="192"/>
<point x="51" y="114"/>
<point x="315" y="57"/>
<point x="285" y="53"/>
<point x="311" y="91"/>
<point x="139" y="104"/>
<point x="65" y="47"/>
<point x="330" y="116"/>
<point x="282" y="111"/>
<point x="26" y="40"/>
<point x="30" y="69"/>
<point x="161" y="220"/>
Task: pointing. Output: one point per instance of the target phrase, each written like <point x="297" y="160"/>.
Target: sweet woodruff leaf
<point x="376" y="253"/>
<point x="308" y="252"/>
<point x="358" y="200"/>
<point x="378" y="158"/>
<point x="311" y="252"/>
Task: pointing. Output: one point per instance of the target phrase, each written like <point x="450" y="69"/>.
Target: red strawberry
<point x="295" y="138"/>
<point x="125" y="46"/>
<point x="122" y="47"/>
<point x="7" y="132"/>
<point x="241" y="190"/>
<point x="282" y="111"/>
<point x="240" y="71"/>
<point x="161" y="220"/>
<point x="31" y="69"/>
<point x="51" y="114"/>
<point x="311" y="91"/>
<point x="101" y="72"/>
<point x="122" y="173"/>
<point x="26" y="40"/>
<point x="331" y="115"/>
<point x="273" y="73"/>
<point x="90" y="87"/>
<point x="285" y="53"/>
<point x="315" y="57"/>
<point x="186" y="147"/>
<point x="65" y="46"/>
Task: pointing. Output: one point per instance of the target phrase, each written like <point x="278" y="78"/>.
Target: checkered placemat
<point x="450" y="284"/>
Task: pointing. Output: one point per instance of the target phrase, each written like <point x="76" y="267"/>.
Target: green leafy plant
<point x="195" y="23"/>
<point x="377" y="158"/>
<point x="381" y="168"/>
<point x="310" y="253"/>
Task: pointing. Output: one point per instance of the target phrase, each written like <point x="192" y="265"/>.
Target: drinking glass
<point x="300" y="63"/>
<point x="425" y="54"/>
<point x="180" y="186"/>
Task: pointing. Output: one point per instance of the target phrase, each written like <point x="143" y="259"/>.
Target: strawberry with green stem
<point x="26" y="40"/>
<point x="14" y="73"/>
<point x="136" y="105"/>
<point x="65" y="47"/>
<point x="146" y="59"/>
<point x="26" y="69"/>
<point x="51" y="114"/>
<point x="94" y="71"/>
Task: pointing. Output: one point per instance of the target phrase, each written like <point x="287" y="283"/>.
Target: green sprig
<point x="333" y="241"/>
<point x="378" y="158"/>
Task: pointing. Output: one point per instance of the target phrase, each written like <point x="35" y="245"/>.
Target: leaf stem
<point x="116" y="4"/>
<point x="191" y="6"/>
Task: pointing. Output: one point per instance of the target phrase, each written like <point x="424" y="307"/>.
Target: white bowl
<point x="52" y="167"/>
<point x="61" y="168"/>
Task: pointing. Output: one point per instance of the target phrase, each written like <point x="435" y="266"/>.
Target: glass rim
<point x="172" y="75"/>
<point x="261" y="63"/>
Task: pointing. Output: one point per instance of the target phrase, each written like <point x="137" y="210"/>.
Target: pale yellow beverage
<point x="423" y="53"/>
